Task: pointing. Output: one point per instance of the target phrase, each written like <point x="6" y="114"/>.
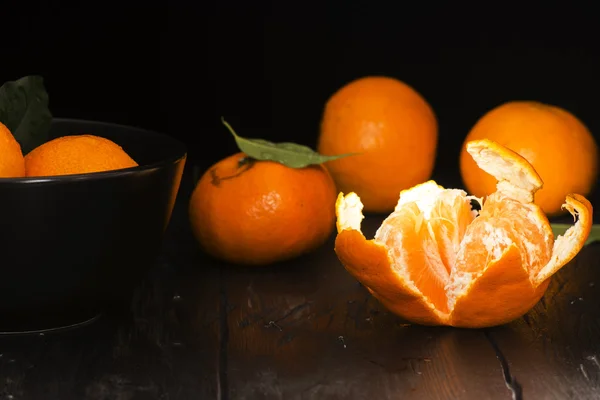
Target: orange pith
<point x="436" y="261"/>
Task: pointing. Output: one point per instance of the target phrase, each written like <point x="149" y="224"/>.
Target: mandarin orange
<point x="76" y="154"/>
<point x="12" y="164"/>
<point x="437" y="261"/>
<point x="391" y="127"/>
<point x="252" y="212"/>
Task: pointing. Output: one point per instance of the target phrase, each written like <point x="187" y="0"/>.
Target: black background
<point x="269" y="67"/>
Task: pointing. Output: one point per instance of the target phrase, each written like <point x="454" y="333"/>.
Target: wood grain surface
<point x="305" y="329"/>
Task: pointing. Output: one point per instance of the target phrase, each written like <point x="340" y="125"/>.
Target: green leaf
<point x="24" y="111"/>
<point x="289" y="154"/>
<point x="560" y="229"/>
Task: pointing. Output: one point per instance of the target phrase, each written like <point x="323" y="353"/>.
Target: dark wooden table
<point x="304" y="330"/>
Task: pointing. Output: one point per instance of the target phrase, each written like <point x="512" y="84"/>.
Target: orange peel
<point x="435" y="260"/>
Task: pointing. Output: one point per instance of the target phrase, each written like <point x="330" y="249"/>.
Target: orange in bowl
<point x="12" y="164"/>
<point x="76" y="154"/>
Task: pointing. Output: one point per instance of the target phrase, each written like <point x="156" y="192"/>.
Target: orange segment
<point x="436" y="261"/>
<point x="503" y="222"/>
<point x="370" y="263"/>
<point x="448" y="222"/>
<point x="423" y="267"/>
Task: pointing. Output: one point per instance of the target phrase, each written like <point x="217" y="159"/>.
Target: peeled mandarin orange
<point x="251" y="212"/>
<point x="552" y="139"/>
<point x="76" y="154"/>
<point x="12" y="164"/>
<point x="437" y="261"/>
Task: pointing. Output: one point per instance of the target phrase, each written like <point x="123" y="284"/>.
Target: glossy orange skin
<point x="393" y="128"/>
<point x="77" y="154"/>
<point x="12" y="164"/>
<point x="261" y="212"/>
<point x="558" y="145"/>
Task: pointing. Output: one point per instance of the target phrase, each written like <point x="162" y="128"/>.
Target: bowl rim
<point x="104" y="174"/>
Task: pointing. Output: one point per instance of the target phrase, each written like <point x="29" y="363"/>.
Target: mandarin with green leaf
<point x="268" y="203"/>
<point x="257" y="212"/>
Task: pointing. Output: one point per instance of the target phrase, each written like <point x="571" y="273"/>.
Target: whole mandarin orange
<point x="251" y="212"/>
<point x="76" y="154"/>
<point x="392" y="127"/>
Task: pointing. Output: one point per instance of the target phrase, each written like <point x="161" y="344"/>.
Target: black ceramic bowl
<point x="72" y="245"/>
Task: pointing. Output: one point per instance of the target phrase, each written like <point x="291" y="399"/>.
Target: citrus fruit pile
<point x="77" y="154"/>
<point x="437" y="261"/>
